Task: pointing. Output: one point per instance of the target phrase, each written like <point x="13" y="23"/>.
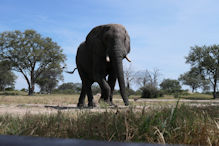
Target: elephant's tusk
<point x="126" y="57"/>
<point x="107" y="59"/>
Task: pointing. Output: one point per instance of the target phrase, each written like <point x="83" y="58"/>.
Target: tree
<point x="145" y="78"/>
<point x="129" y="76"/>
<point x="170" y="86"/>
<point x="95" y="88"/>
<point x="49" y="80"/>
<point x="206" y="59"/>
<point x="75" y="87"/>
<point x="7" y="77"/>
<point x="192" y="78"/>
<point x="148" y="82"/>
<point x="30" y="54"/>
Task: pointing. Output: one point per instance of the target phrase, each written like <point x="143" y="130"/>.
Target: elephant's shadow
<point x="60" y="107"/>
<point x="73" y="107"/>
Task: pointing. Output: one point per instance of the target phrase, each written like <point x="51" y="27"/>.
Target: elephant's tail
<point x="71" y="72"/>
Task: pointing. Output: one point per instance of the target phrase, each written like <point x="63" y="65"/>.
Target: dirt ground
<point x="22" y="109"/>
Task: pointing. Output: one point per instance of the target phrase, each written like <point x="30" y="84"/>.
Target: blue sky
<point x="161" y="31"/>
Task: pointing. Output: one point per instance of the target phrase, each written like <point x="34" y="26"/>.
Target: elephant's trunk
<point x="120" y="75"/>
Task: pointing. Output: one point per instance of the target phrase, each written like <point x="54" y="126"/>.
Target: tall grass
<point x="186" y="125"/>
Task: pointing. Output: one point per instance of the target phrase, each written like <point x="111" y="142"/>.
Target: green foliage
<point x="7" y="77"/>
<point x="68" y="88"/>
<point x="9" y="89"/>
<point x="24" y="90"/>
<point x="49" y="80"/>
<point x="95" y="89"/>
<point x="130" y="92"/>
<point x="170" y="86"/>
<point x="65" y="91"/>
<point x="179" y="125"/>
<point x="194" y="79"/>
<point x="150" y="92"/>
<point x="30" y="54"/>
<point x="12" y="92"/>
<point x="205" y="58"/>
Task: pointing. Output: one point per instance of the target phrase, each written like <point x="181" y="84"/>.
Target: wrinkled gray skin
<point x="110" y="40"/>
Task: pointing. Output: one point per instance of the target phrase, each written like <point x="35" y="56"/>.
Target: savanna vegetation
<point x="41" y="62"/>
<point x="179" y="125"/>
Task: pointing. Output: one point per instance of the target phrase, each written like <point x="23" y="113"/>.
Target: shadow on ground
<point x="60" y="107"/>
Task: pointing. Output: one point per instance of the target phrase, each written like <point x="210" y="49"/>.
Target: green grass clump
<point x="179" y="125"/>
<point x="198" y="96"/>
<point x="13" y="93"/>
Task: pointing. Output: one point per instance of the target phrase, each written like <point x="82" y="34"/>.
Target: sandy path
<point x="17" y="109"/>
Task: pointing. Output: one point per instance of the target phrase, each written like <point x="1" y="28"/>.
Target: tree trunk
<point x="214" y="88"/>
<point x="32" y="83"/>
<point x="31" y="89"/>
<point x="193" y="89"/>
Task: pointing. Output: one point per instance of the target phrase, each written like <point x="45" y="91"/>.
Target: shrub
<point x="9" y="89"/>
<point x="24" y="90"/>
<point x="130" y="92"/>
<point x="150" y="92"/>
<point x="66" y="91"/>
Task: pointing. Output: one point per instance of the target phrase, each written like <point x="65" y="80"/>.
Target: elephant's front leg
<point x="105" y="89"/>
<point x="112" y="82"/>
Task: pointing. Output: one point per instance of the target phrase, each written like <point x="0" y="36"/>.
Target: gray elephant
<point x="99" y="57"/>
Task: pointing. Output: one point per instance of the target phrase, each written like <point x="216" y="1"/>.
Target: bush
<point x="9" y="89"/>
<point x="15" y="92"/>
<point x="150" y="92"/>
<point x="66" y="91"/>
<point x="130" y="92"/>
<point x="24" y="90"/>
<point x="161" y="93"/>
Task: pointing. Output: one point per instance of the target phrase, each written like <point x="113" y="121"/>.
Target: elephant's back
<point x="99" y="31"/>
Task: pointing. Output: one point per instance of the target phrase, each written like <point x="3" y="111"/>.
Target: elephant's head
<point x="117" y="43"/>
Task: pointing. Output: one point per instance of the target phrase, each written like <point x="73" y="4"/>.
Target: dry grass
<point x="158" y="122"/>
<point x="180" y="125"/>
<point x="54" y="99"/>
<point x="65" y="99"/>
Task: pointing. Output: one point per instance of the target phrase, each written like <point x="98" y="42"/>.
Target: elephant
<point x="99" y="59"/>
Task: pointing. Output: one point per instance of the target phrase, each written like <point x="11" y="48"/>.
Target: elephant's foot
<point x="113" y="105"/>
<point x="91" y="104"/>
<point x="80" y="105"/>
<point x="108" y="102"/>
<point x="126" y="103"/>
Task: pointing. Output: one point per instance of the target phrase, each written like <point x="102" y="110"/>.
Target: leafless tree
<point x="129" y="75"/>
<point x="147" y="77"/>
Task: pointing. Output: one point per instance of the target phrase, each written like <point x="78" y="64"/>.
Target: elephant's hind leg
<point x="86" y="89"/>
<point x="90" y="96"/>
<point x="82" y="97"/>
